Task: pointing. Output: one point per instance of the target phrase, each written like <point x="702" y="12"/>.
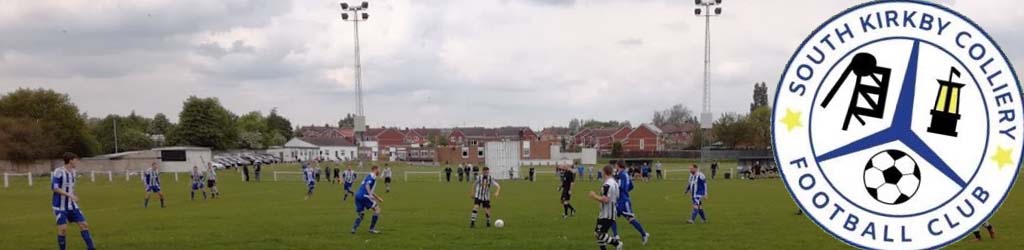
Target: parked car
<point x="217" y="165"/>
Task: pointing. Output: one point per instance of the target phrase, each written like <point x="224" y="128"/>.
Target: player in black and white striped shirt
<point x="481" y="195"/>
<point x="606" y="216"/>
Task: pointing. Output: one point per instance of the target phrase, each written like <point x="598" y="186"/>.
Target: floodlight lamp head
<point x="344" y="6"/>
<point x="718" y="10"/>
<point x="344" y="16"/>
<point x="366" y="5"/>
<point x="696" y="11"/>
<point x="366" y="16"/>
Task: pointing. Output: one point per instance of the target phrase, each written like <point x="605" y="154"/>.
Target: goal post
<point x="286" y="173"/>
<point x="7" y="177"/>
<point x="677" y="174"/>
<point x="537" y="174"/>
<point x="440" y="177"/>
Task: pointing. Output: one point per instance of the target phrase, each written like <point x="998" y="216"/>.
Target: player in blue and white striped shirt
<point x="309" y="175"/>
<point x="65" y="202"/>
<point x="197" y="182"/>
<point x="151" y="179"/>
<point x="698" y="188"/>
<point x="348" y="177"/>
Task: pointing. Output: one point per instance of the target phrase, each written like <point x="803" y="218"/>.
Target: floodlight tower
<point x="358" y="14"/>
<point x="706" y="9"/>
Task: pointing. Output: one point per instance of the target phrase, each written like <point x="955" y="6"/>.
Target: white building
<point x="310" y="148"/>
<point x="171" y="159"/>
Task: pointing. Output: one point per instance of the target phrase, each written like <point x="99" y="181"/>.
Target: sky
<point x="426" y="63"/>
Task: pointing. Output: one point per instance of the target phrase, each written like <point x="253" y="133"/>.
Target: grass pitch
<point x="425" y="214"/>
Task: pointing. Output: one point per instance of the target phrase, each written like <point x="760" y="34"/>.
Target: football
<point x="892" y="177"/>
<point x="499" y="223"/>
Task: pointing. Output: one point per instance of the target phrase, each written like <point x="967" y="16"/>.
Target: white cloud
<point x="426" y="63"/>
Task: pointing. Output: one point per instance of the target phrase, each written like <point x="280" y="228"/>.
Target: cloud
<point x="425" y="63"/>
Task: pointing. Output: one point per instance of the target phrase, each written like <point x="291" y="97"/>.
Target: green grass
<point x="425" y="214"/>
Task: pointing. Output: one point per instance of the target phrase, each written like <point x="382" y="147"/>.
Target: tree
<point x="759" y="125"/>
<point x="131" y="134"/>
<point x="617" y="149"/>
<point x="54" y="114"/>
<point x="251" y="128"/>
<point x="574" y="125"/>
<point x="438" y="140"/>
<point x="160" y="125"/>
<point x="760" y="96"/>
<point x="348" y="122"/>
<point x="602" y="124"/>
<point x="23" y="140"/>
<point x="730" y="129"/>
<point x="280" y="125"/>
<point x="677" y="115"/>
<point x="204" y="122"/>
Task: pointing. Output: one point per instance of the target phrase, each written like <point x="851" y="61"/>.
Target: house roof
<point x="652" y="128"/>
<point x="602" y="132"/>
<point x="427" y="132"/>
<point x="318" y="131"/>
<point x="556" y="131"/>
<point x="328" y="141"/>
<point x="375" y="131"/>
<point x="511" y="131"/>
<point x="476" y="132"/>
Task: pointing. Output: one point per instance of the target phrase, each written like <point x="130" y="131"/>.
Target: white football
<point x="499" y="223"/>
<point x="892" y="177"/>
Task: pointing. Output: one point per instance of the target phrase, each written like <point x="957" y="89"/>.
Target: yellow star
<point x="1002" y="157"/>
<point x="792" y="120"/>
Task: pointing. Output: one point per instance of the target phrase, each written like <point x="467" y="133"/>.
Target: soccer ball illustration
<point x="499" y="223"/>
<point x="892" y="177"/>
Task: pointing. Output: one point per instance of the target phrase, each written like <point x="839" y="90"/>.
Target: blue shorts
<point x="697" y="200"/>
<point x="197" y="186"/>
<point x="363" y="203"/>
<point x="348" y="186"/>
<point x="153" y="189"/>
<point x="74" y="216"/>
<point x="624" y="209"/>
<point x="311" y="185"/>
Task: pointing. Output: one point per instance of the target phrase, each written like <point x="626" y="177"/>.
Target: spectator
<point x="757" y="170"/>
<point x="245" y="173"/>
<point x="657" y="170"/>
<point x="448" y="173"/>
<point x="257" y="169"/>
<point x="460" y="171"/>
<point x="714" y="170"/>
<point x="337" y="175"/>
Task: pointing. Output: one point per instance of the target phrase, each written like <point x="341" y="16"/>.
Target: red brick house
<point x="385" y="137"/>
<point x="556" y="134"/>
<point x="644" y="138"/>
<point x="422" y="136"/>
<point x="515" y="134"/>
<point x="678" y="135"/>
<point x="472" y="136"/>
<point x="582" y="136"/>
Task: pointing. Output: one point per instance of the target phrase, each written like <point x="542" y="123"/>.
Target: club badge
<point x="898" y="125"/>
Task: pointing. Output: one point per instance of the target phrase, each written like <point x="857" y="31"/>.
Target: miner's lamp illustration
<point x="947" y="106"/>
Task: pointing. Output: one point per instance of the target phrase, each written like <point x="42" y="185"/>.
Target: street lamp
<point x="706" y="9"/>
<point x="358" y="15"/>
